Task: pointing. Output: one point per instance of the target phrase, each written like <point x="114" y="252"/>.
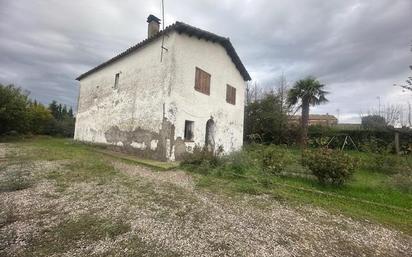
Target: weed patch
<point x="14" y="180"/>
<point x="7" y="214"/>
<point x="79" y="231"/>
<point x="402" y="181"/>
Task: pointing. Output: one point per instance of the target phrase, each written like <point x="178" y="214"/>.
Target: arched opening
<point x="210" y="135"/>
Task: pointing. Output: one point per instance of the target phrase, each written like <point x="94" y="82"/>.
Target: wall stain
<point x="180" y="149"/>
<point x="165" y="140"/>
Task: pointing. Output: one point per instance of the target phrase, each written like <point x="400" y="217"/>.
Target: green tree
<point x="13" y="109"/>
<point x="70" y="113"/>
<point x="39" y="118"/>
<point x="20" y="114"/>
<point x="63" y="122"/>
<point x="262" y="118"/>
<point x="373" y="122"/>
<point x="54" y="109"/>
<point x="305" y="93"/>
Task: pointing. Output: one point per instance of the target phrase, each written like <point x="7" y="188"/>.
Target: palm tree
<point x="306" y="92"/>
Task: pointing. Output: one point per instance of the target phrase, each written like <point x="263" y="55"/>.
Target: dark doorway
<point x="210" y="135"/>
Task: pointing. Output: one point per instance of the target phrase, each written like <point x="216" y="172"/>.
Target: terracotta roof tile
<point x="181" y="27"/>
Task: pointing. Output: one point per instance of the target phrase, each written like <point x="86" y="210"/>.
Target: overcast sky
<point x="359" y="49"/>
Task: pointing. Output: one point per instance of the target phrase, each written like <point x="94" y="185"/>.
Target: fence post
<point x="397" y="142"/>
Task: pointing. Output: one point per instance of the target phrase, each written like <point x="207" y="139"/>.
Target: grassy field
<point x="61" y="198"/>
<point x="371" y="194"/>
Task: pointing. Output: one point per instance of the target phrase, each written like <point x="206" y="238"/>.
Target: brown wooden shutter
<point x="202" y="81"/>
<point x="230" y="94"/>
<point x="234" y="95"/>
<point x="207" y="82"/>
<point x="197" y="79"/>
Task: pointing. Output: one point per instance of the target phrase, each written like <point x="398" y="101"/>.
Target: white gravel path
<point x="170" y="216"/>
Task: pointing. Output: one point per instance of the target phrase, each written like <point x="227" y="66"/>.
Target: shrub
<point x="275" y="160"/>
<point x="385" y="163"/>
<point x="374" y="141"/>
<point x="319" y="141"/>
<point x="374" y="145"/>
<point x="329" y="166"/>
<point x="203" y="159"/>
<point x="198" y="155"/>
<point x="239" y="162"/>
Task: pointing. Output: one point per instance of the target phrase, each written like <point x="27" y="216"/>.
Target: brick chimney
<point x="153" y="25"/>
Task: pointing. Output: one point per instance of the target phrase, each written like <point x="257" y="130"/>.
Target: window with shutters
<point x="230" y="94"/>
<point x="202" y="81"/>
<point x="188" y="130"/>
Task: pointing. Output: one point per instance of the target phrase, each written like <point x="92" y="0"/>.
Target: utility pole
<point x="281" y="91"/>
<point x="255" y="91"/>
<point x="338" y="111"/>
<point x="379" y="105"/>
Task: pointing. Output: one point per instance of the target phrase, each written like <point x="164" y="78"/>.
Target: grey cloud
<point x="355" y="47"/>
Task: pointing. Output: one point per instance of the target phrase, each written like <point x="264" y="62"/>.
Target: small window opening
<point x="189" y="130"/>
<point x="116" y="80"/>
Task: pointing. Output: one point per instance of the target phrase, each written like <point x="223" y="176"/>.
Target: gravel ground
<point x="168" y="215"/>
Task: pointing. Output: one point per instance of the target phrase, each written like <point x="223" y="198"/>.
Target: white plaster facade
<point x="148" y="109"/>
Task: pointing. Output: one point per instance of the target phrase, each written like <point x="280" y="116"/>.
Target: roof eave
<point x="180" y="27"/>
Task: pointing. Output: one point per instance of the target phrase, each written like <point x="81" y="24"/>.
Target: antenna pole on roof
<point x="163" y="28"/>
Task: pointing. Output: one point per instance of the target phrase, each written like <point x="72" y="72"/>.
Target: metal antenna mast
<point x="163" y="28"/>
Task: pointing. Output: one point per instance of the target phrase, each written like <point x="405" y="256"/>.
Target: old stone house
<point x="161" y="103"/>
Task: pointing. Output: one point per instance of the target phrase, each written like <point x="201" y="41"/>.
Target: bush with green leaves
<point x="329" y="166"/>
<point x="238" y="162"/>
<point x="202" y="158"/>
<point x="385" y="163"/>
<point x="275" y="160"/>
<point x="374" y="145"/>
<point x="319" y="141"/>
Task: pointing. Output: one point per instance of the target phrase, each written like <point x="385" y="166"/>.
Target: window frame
<point x="188" y="133"/>
<point x="202" y="81"/>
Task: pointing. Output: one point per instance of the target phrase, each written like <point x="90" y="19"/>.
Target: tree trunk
<point x="398" y="151"/>
<point x="304" y="122"/>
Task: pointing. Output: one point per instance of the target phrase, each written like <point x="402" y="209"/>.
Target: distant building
<point x="316" y="119"/>
<point x="349" y="126"/>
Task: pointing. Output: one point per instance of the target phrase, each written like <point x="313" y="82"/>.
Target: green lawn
<point x="369" y="195"/>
